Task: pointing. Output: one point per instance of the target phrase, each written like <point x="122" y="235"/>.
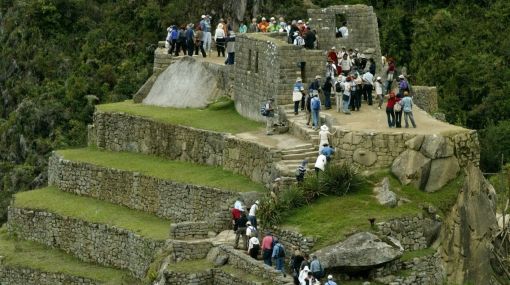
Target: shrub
<point x="341" y="179"/>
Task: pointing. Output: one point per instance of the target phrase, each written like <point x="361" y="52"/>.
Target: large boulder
<point x="468" y="231"/>
<point x="411" y="167"/>
<point x="435" y="146"/>
<point x="415" y="143"/>
<point x="442" y="171"/>
<point x="359" y="252"/>
<point x="384" y="195"/>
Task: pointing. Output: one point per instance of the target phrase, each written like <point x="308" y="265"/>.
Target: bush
<point x="494" y="142"/>
<point x="341" y="179"/>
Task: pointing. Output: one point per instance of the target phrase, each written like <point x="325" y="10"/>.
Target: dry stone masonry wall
<point x="176" y="201"/>
<point x="187" y="250"/>
<point x="414" y="233"/>
<point x="122" y="132"/>
<point x="291" y="239"/>
<point x="102" y="244"/>
<point x="207" y="277"/>
<point x="27" y="276"/>
<point x="425" y="97"/>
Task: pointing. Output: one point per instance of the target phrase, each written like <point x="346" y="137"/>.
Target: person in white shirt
<point x="368" y="79"/>
<point x="251" y="230"/>
<point x="254" y="247"/>
<point x="324" y="134"/>
<point x="379" y="91"/>
<point x="219" y="38"/>
<point x="320" y="164"/>
<point x="344" y="30"/>
<point x="346" y="64"/>
<point x="253" y="212"/>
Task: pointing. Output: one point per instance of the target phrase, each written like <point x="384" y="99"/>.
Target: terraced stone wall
<point x="291" y="239"/>
<point x="176" y="201"/>
<point x="122" y="132"/>
<point x="102" y="244"/>
<point x="414" y="233"/>
<point x="27" y="276"/>
<point x="425" y="97"/>
<point x="189" y="230"/>
<point x="378" y="150"/>
<point x="188" y="250"/>
<point x="206" y="277"/>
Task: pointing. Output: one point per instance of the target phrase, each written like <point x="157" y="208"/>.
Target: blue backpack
<point x="175" y="34"/>
<point x="316" y="103"/>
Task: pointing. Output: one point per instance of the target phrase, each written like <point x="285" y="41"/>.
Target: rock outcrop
<point x="468" y="232"/>
<point x="359" y="252"/>
<point x="384" y="195"/>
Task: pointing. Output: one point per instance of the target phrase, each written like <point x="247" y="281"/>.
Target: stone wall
<point x="102" y="244"/>
<point x="425" y="97"/>
<point x="291" y="239"/>
<point x="414" y="233"/>
<point x="187" y="250"/>
<point x="122" y="132"/>
<point x="27" y="276"/>
<point x="267" y="66"/>
<point x="361" y="21"/>
<point x="206" y="277"/>
<point x="189" y="230"/>
<point x="176" y="201"/>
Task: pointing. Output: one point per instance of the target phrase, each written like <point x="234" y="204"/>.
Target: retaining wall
<point x="291" y="239"/>
<point x="206" y="277"/>
<point x="414" y="233"/>
<point x="27" y="276"/>
<point x="122" y="132"/>
<point x="102" y="244"/>
<point x="177" y="201"/>
<point x="187" y="250"/>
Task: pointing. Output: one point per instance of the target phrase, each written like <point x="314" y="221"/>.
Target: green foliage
<point x="495" y="142"/>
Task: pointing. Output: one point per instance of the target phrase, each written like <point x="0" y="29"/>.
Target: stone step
<point x="299" y="151"/>
<point x="301" y="156"/>
<point x="89" y="229"/>
<point x="30" y="263"/>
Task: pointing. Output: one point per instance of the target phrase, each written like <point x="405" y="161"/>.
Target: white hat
<point x="324" y="128"/>
<point x="272" y="18"/>
<point x="203" y="16"/>
<point x="263" y="18"/>
<point x="248" y="223"/>
<point x="401" y="76"/>
<point x="378" y="78"/>
<point x="317" y="77"/>
<point x="333" y="47"/>
<point x="299" y="79"/>
<point x="300" y="22"/>
<point x="257" y="202"/>
<point x="330" y="277"/>
<point x="356" y="49"/>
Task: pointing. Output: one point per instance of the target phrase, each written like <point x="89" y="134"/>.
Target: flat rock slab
<point x="359" y="252"/>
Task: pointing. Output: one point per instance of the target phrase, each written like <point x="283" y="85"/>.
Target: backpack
<point x="300" y="41"/>
<point x="281" y="251"/>
<point x="174" y="35"/>
<point x="263" y="111"/>
<point x="397" y="107"/>
<point x="338" y="87"/>
<point x="253" y="231"/>
<point x="316" y="103"/>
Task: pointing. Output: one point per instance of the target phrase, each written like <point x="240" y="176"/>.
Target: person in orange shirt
<point x="263" y="25"/>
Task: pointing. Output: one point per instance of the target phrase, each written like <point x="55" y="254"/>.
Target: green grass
<point x="28" y="254"/>
<point x="220" y="119"/>
<point x="330" y="219"/>
<point x="178" y="171"/>
<point x="190" y="266"/>
<point x="93" y="210"/>
<point x="409" y="255"/>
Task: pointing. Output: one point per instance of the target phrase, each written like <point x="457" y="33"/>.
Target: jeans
<point x="327" y="100"/>
<point x="201" y="47"/>
<point x="230" y="58"/>
<point x="296" y="107"/>
<point x="398" y="119"/>
<point x="207" y="41"/>
<point x="411" y="117"/>
<point x="279" y="263"/>
<point x="367" y="93"/>
<point x="346" y="106"/>
<point x="391" y="117"/>
<point x="315" y="118"/>
<point x="267" y="257"/>
<point x="253" y="220"/>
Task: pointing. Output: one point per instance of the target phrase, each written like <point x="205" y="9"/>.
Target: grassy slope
<point x="223" y="119"/>
<point x="178" y="171"/>
<point x="32" y="255"/>
<point x="331" y="219"/>
<point x="93" y="210"/>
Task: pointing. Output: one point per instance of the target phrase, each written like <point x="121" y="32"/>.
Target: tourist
<point x="301" y="26"/>
<point x="402" y="86"/>
<point x="243" y="28"/>
<point x="305" y="262"/>
<point x="263" y="25"/>
<point x="389" y="74"/>
<point x="310" y="38"/>
<point x="327" y="88"/>
<point x="279" y="255"/>
<point x="190" y="39"/>
<point x="252" y="214"/>
<point x="346" y="64"/>
<point x="356" y="92"/>
<point x="219" y="38"/>
<point x="297" y="94"/>
<point x="301" y="171"/>
<point x="342" y="51"/>
<point x="251" y="231"/>
<point x="174" y="36"/>
<point x="368" y="79"/>
<point x="407" y="107"/>
<point x="254" y="247"/>
<point x="199" y="43"/>
<point x="308" y="107"/>
<point x="330" y="280"/>
<point x="295" y="263"/>
<point x="334" y="57"/>
<point x="253" y="28"/>
<point x="347" y="95"/>
<point x="316" y="268"/>
<point x="315" y="104"/>
<point x="390" y="112"/>
<point x="344" y="31"/>
<point x="339" y="91"/>
<point x="324" y="134"/>
<point x="269" y="117"/>
<point x="330" y="69"/>
<point x="230" y="41"/>
<point x="181" y="41"/>
<point x="379" y="92"/>
<point x="273" y="26"/>
<point x="205" y="24"/>
<point x="298" y="40"/>
<point x="169" y="38"/>
<point x="236" y="214"/>
<point x="241" y="231"/>
<point x="327" y="151"/>
<point x="267" y="248"/>
<point x="372" y="66"/>
<point x="293" y="32"/>
<point x="320" y="164"/>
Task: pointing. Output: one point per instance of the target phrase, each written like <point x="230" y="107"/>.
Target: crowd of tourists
<point x="304" y="269"/>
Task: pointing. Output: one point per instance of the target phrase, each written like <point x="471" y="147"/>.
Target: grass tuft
<point x="178" y="171"/>
<point x="92" y="210"/>
<point x="219" y="117"/>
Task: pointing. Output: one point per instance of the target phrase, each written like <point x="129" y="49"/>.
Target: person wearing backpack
<point x="254" y="247"/>
<point x="316" y="268"/>
<point x="327" y="87"/>
<point x="339" y="89"/>
<point x="315" y="104"/>
<point x="279" y="255"/>
<point x="407" y="107"/>
<point x="330" y="280"/>
<point x="174" y="36"/>
<point x="298" y="91"/>
<point x="390" y="112"/>
<point x="301" y="171"/>
<point x="267" y="248"/>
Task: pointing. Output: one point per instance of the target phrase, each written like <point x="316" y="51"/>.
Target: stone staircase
<point x="292" y="157"/>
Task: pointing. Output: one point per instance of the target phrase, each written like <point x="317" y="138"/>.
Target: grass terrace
<point x="178" y="171"/>
<point x="32" y="255"/>
<point x="92" y="210"/>
<point x="331" y="219"/>
<point x="219" y="117"/>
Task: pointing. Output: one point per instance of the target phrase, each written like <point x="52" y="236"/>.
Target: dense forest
<point x="60" y="57"/>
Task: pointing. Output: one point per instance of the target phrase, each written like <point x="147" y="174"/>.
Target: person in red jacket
<point x="390" y="113"/>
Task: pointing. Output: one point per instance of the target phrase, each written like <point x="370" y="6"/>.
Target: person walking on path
<point x="279" y="255"/>
<point x="254" y="247"/>
<point x="327" y="88"/>
<point x="219" y="38"/>
<point x="267" y="248"/>
<point x="320" y="164"/>
<point x="301" y="171"/>
<point x="324" y="135"/>
<point x="241" y="231"/>
<point x="328" y="151"/>
<point x="298" y="93"/>
<point x="269" y="117"/>
<point x="390" y="112"/>
<point x="295" y="263"/>
<point x="379" y="92"/>
<point x="316" y="268"/>
<point x="199" y="43"/>
<point x="252" y="213"/>
<point x="316" y="107"/>
<point x="407" y="107"/>
<point x="368" y="79"/>
<point x="347" y="95"/>
<point x="330" y="280"/>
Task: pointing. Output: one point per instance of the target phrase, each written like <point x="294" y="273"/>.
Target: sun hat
<point x="330" y="277"/>
<point x="378" y="78"/>
<point x="248" y="223"/>
<point x="299" y="79"/>
<point x="401" y="76"/>
<point x="203" y="16"/>
<point x="300" y="22"/>
<point x="324" y="128"/>
<point x="317" y="77"/>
